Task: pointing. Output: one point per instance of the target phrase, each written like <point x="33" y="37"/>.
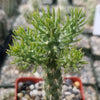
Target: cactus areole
<point x="50" y="44"/>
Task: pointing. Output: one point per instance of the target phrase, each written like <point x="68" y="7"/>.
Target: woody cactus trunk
<point x="50" y="44"/>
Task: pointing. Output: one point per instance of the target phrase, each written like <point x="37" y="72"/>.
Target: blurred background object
<point x="3" y="26"/>
<point x="9" y="6"/>
<point x="14" y="13"/>
<point x="96" y="29"/>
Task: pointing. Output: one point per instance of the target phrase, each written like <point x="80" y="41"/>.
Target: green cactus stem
<point x="53" y="81"/>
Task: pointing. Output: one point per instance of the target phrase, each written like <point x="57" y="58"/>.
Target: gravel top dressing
<point x="30" y="90"/>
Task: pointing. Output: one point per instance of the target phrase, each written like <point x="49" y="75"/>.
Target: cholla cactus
<point x="50" y="44"/>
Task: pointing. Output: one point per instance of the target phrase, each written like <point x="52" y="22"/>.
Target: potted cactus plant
<point x="50" y="44"/>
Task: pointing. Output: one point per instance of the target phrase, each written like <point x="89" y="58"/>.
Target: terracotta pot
<point x="34" y="79"/>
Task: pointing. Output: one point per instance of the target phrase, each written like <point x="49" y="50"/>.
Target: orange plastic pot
<point x="34" y="79"/>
